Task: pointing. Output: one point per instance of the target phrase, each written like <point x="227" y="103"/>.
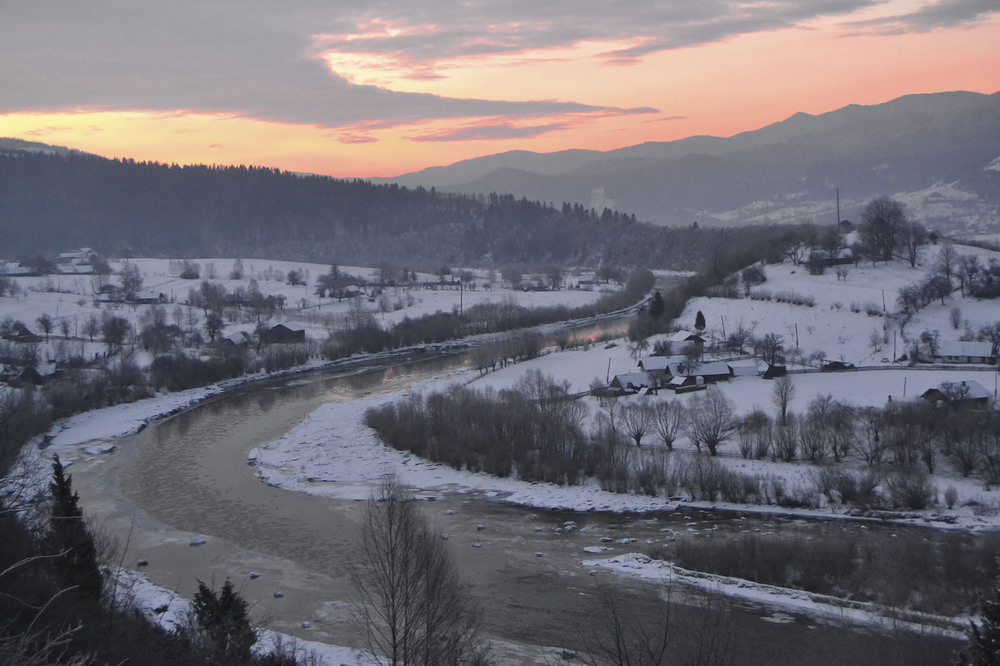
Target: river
<point x="187" y="477"/>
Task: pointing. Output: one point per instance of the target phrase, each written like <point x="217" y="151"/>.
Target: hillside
<point x="123" y="208"/>
<point x="937" y="153"/>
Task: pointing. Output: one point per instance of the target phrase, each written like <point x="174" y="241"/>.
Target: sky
<point x="384" y="87"/>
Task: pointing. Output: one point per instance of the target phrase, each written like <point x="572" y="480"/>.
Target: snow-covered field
<point x="70" y="299"/>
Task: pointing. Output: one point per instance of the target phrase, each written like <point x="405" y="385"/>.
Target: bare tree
<point x="46" y="324"/>
<point x="868" y="441"/>
<point x="991" y="334"/>
<point x="782" y="395"/>
<point x="880" y="227"/>
<point x="627" y="637"/>
<point x="948" y="262"/>
<point x="637" y="418"/>
<point x="91" y="326"/>
<point x="669" y="418"/>
<point x="131" y="279"/>
<point x="914" y="237"/>
<point x="711" y="420"/>
<point x="415" y="608"/>
<point x="770" y="348"/>
<point x="635" y="349"/>
<point x="968" y="268"/>
<point x="648" y="630"/>
<point x="749" y="431"/>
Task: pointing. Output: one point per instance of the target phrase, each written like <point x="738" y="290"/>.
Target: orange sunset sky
<point x="363" y="89"/>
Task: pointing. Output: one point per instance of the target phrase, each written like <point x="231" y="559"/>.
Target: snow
<point x="172" y="612"/>
<point x="333" y="453"/>
<point x="71" y="299"/>
<point x="769" y="596"/>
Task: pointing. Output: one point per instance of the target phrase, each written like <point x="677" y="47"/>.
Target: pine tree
<point x="656" y="306"/>
<point x="983" y="648"/>
<point x="699" y="321"/>
<point x="68" y="536"/>
<point x="226" y="621"/>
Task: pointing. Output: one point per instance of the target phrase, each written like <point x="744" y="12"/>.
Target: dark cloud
<point x="942" y="14"/>
<point x="262" y="59"/>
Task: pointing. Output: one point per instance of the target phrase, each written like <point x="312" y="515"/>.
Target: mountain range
<point x="939" y="154"/>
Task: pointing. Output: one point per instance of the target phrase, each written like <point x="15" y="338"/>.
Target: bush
<point x="909" y="489"/>
<point x="950" y="496"/>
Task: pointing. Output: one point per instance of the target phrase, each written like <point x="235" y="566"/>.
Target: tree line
<point x="127" y="208"/>
<point x="538" y="431"/>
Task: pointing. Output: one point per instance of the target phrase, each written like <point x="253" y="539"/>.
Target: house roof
<point x="637" y="379"/>
<point x="685" y="336"/>
<point x="964" y="390"/>
<point x="657" y="363"/>
<point x="712" y="369"/>
<point x="982" y="349"/>
<point x="747" y="368"/>
<point x="290" y="327"/>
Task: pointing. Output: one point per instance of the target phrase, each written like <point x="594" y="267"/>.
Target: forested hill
<point x="51" y="203"/>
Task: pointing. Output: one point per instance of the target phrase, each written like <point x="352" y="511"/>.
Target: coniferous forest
<point x="126" y="208"/>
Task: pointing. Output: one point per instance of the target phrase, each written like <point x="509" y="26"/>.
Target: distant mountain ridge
<point x="938" y="153"/>
<point x="10" y="143"/>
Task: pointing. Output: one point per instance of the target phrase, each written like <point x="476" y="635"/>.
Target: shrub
<point x="950" y="496"/>
<point x="909" y="489"/>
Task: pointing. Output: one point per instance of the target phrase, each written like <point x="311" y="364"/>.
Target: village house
<point x="283" y="334"/>
<point x="965" y="352"/>
<point x="842" y="257"/>
<point x="76" y="262"/>
<point x="965" y="394"/>
<point x="632" y="382"/>
<point x="237" y="339"/>
<point x="21" y="333"/>
<point x="678" y="342"/>
<point x="149" y="298"/>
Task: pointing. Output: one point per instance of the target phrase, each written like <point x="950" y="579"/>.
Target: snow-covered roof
<point x="685" y="336"/>
<point x="964" y="390"/>
<point x="713" y="368"/>
<point x="658" y="363"/>
<point x="747" y="368"/>
<point x="980" y="349"/>
<point x="637" y="379"/>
